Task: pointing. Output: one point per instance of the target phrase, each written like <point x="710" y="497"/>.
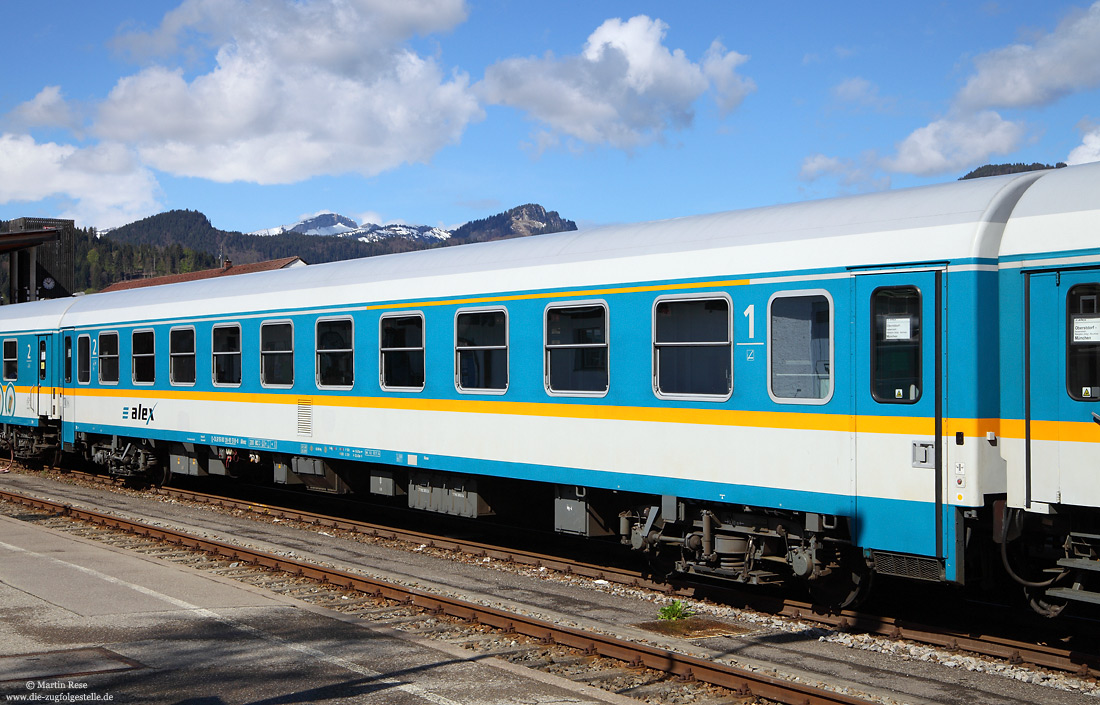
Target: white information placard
<point x="899" y="328"/>
<point x="1086" y="329"/>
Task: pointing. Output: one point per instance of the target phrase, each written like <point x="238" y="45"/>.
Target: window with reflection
<point x="84" y="359"/>
<point x="692" y="347"/>
<point x="226" y="355"/>
<point x="896" y="345"/>
<point x="801" y="347"/>
<point x="1083" y="342"/>
<point x="143" y="367"/>
<point x="481" y="350"/>
<point x="181" y="356"/>
<point x="335" y="353"/>
<point x="11" y="359"/>
<point x="401" y="348"/>
<point x="576" y="349"/>
<point x="108" y="358"/>
<point x="277" y="354"/>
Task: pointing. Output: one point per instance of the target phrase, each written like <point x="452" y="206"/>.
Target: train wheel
<point x="161" y="476"/>
<point x="52" y="460"/>
<point x="847" y="585"/>
<point x="6" y="465"/>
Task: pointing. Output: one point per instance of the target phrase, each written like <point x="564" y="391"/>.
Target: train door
<point x="68" y="375"/>
<point x="898" y="402"/>
<point x="1062" y="387"/>
<point x="45" y="394"/>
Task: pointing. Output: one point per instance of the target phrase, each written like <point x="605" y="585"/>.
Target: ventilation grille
<point x="305" y="417"/>
<point x="908" y="566"/>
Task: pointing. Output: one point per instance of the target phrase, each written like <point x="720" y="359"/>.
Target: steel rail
<point x="1078" y="662"/>
<point x="1014" y="652"/>
<point x="477" y="549"/>
<point x="742" y="682"/>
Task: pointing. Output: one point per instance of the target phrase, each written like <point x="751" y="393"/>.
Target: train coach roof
<point x="1059" y="213"/>
<point x="36" y="315"/>
<point x="951" y="221"/>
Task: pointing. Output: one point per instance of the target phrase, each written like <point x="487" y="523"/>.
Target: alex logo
<point x="138" y="413"/>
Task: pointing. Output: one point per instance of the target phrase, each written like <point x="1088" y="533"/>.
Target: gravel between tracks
<point x="604" y="611"/>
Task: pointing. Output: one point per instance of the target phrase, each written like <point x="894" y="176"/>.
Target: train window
<point x="181" y="356"/>
<point x="692" y="348"/>
<point x="895" y="345"/>
<point x="576" y="349"/>
<point x="481" y="350"/>
<point x="143" y="357"/>
<point x="108" y="358"/>
<point x="401" y="349"/>
<point x="11" y="359"/>
<point x="227" y="355"/>
<point x="800" y="337"/>
<point x="83" y="359"/>
<point x="277" y="354"/>
<point x="335" y="353"/>
<point x="1083" y="342"/>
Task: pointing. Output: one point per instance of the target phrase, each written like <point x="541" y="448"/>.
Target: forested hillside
<point x="1000" y="169"/>
<point x="194" y="229"/>
<point x="102" y="261"/>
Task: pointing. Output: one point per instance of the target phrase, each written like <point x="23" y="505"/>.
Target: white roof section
<point x="1060" y="213"/>
<point x="43" y="315"/>
<point x="953" y="221"/>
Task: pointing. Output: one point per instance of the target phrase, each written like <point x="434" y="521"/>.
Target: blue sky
<point x="442" y="111"/>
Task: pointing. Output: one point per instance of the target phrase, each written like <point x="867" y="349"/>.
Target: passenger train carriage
<point x="902" y="382"/>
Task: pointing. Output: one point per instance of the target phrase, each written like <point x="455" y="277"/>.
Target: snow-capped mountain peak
<point x="325" y="223"/>
<point x="333" y="224"/>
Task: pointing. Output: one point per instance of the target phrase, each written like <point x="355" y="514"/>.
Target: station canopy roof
<point x="11" y="242"/>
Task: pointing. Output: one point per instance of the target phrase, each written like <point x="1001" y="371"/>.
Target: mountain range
<point x="328" y="236"/>
<point x="334" y="224"/>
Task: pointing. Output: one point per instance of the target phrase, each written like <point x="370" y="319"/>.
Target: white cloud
<point x="817" y="165"/>
<point x="720" y="66"/>
<point x="1089" y="149"/>
<point x="625" y="89"/>
<point x="370" y="217"/>
<point x="295" y="91"/>
<point x="101" y="185"/>
<point x="860" y="92"/>
<point x="47" y="109"/>
<point x="849" y="175"/>
<point x="956" y="143"/>
<point x="1061" y="62"/>
<point x="1055" y="65"/>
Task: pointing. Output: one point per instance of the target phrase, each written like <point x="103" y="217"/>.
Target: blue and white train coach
<point x="901" y="383"/>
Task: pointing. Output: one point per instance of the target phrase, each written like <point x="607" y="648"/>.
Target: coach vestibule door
<point x="1062" y="387"/>
<point x="897" y="362"/>
<point x="68" y="380"/>
<point x="44" y="389"/>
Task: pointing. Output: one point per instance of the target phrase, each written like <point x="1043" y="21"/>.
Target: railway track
<point x="750" y="686"/>
<point x="1080" y="663"/>
<point x="1013" y="651"/>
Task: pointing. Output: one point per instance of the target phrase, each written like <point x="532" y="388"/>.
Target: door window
<point x="1083" y="342"/>
<point x="895" y="345"/>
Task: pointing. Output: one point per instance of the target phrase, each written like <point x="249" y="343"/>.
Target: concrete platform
<point x="79" y="619"/>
